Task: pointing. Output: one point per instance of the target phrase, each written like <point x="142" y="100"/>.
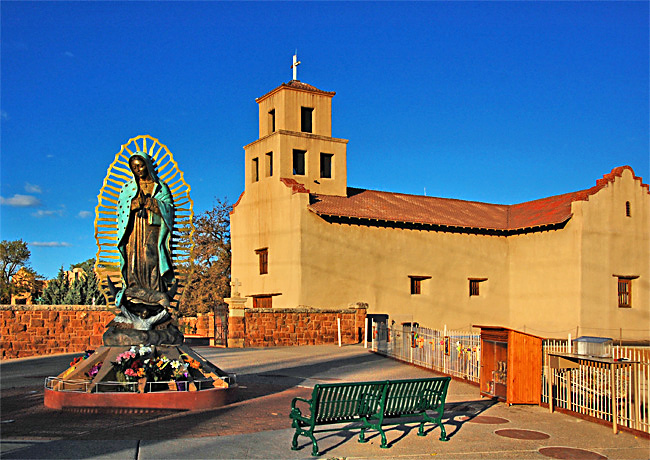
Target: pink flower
<point x="130" y="372"/>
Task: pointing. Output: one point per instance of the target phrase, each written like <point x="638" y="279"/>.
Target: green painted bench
<point x="371" y="404"/>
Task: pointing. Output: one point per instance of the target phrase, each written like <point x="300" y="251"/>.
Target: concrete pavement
<point x="257" y="426"/>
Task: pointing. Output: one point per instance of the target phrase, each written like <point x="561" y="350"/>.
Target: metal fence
<point x="619" y="393"/>
<point x="454" y="353"/>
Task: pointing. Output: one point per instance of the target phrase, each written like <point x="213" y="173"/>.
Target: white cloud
<point x="4" y="115"/>
<point x="84" y="214"/>
<point x="68" y="54"/>
<point x="31" y="188"/>
<point x="50" y="244"/>
<point x="48" y="212"/>
<point x="21" y="201"/>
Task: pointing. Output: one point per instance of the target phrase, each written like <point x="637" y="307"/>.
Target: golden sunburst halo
<point x="107" y="263"/>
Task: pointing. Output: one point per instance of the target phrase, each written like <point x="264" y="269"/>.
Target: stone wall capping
<point x="302" y="309"/>
<point x="55" y="308"/>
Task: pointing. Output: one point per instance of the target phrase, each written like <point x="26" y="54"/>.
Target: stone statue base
<point x="120" y="336"/>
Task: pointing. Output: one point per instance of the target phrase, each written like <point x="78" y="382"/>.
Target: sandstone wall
<point x="268" y="327"/>
<point x="34" y="330"/>
<point x="37" y="330"/>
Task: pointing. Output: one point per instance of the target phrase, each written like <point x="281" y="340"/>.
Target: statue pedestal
<point x="205" y="386"/>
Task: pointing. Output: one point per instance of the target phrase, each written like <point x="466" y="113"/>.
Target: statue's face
<point x="139" y="168"/>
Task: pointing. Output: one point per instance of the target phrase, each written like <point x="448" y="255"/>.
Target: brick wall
<point x="33" y="330"/>
<point x="269" y="327"/>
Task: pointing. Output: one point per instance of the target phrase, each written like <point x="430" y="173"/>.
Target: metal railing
<point x="592" y="390"/>
<point x="455" y="353"/>
<point x="87" y="386"/>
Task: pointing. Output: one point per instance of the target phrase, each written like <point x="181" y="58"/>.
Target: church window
<point x="306" y="115"/>
<point x="326" y="165"/>
<point x="269" y="164"/>
<point x="272" y="120"/>
<point x="299" y="162"/>
<point x="628" y="211"/>
<point x="416" y="284"/>
<point x="624" y="292"/>
<point x="263" y="301"/>
<point x="474" y="286"/>
<point x="255" y="169"/>
<point x="263" y="255"/>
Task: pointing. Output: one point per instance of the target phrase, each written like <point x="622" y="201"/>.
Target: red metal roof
<point x="297" y="84"/>
<point x="416" y="209"/>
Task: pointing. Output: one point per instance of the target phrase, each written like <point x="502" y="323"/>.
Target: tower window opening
<point x="306" y="115"/>
<point x="299" y="162"/>
<point x="272" y="120"/>
<point x="326" y="165"/>
<point x="628" y="211"/>
<point x="255" y="170"/>
<point x="269" y="164"/>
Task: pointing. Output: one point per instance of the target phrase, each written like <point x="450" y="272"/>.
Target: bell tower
<point x="295" y="140"/>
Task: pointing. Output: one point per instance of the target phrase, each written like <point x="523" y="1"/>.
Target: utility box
<point x="511" y="365"/>
<point x="599" y="347"/>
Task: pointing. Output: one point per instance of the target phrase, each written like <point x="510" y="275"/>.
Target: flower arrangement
<point x="94" y="370"/>
<point x="141" y="362"/>
<point x="78" y="359"/>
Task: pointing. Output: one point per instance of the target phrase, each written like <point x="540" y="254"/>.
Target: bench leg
<point x="443" y="432"/>
<point x="384" y="444"/>
<point x="421" y="430"/>
<point x="314" y="449"/>
<point x="362" y="435"/>
<point x="294" y="443"/>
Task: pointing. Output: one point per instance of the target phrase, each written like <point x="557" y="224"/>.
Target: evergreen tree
<point x="88" y="292"/>
<point x="56" y="290"/>
<point x="84" y="290"/>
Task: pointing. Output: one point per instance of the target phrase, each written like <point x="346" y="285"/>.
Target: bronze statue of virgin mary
<point x="145" y="216"/>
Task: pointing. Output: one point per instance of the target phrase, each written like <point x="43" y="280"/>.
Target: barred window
<point x="416" y="284"/>
<point x="624" y="293"/>
<point x="474" y="284"/>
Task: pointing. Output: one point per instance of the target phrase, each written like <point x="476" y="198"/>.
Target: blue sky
<point x="499" y="102"/>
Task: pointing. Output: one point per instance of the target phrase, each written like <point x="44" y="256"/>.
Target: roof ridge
<point x="453" y="212"/>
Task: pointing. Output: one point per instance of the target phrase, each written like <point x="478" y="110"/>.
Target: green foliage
<point x="84" y="290"/>
<point x="210" y="281"/>
<point x="13" y="256"/>
<point x="55" y="291"/>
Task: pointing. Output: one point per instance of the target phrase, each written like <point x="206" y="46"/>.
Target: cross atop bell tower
<point x="295" y="65"/>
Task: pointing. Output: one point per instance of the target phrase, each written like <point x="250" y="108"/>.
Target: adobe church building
<point x="573" y="263"/>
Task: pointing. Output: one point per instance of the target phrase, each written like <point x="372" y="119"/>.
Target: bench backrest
<point x="347" y="401"/>
<point x="415" y="395"/>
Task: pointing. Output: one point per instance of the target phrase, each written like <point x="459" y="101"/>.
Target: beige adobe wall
<point x="343" y="264"/>
<point x="614" y="244"/>
<point x="268" y="216"/>
<point x="545" y="281"/>
<point x="287" y="103"/>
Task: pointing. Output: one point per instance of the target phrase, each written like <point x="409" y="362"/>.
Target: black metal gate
<point x="221" y="325"/>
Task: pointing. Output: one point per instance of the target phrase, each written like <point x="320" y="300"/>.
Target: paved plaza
<point x="257" y="426"/>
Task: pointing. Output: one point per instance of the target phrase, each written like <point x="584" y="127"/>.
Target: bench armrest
<point x="295" y="411"/>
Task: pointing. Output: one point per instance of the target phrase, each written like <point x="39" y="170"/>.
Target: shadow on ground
<point x="263" y="404"/>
